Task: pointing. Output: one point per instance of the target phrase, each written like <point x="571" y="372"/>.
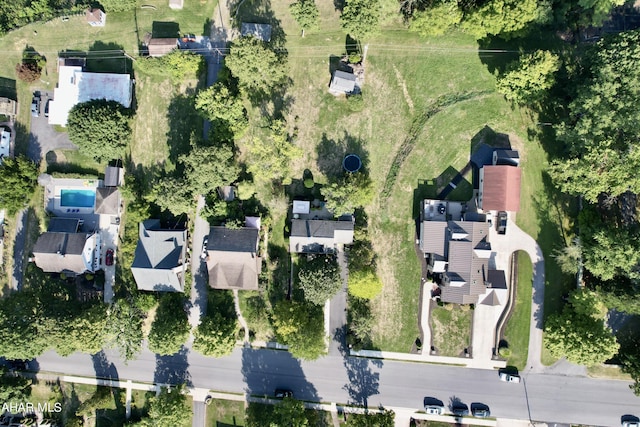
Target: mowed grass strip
<point x="223" y="413"/>
<point x="516" y="332"/>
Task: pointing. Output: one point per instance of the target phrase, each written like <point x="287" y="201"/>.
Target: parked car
<point x="459" y="409"/>
<point x="502" y="222"/>
<point x="433" y="406"/>
<point x="108" y="258"/>
<point x="205" y="253"/>
<point x="630" y="421"/>
<point x="35" y="106"/>
<point x="434" y="409"/>
<point x="508" y="376"/>
<point x="46" y="108"/>
<point x="5" y="136"/>
<point x="480" y="410"/>
<point x="281" y="393"/>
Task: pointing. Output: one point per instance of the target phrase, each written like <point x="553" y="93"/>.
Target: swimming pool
<point x="78" y="198"/>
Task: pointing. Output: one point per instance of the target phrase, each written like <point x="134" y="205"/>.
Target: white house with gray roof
<point x="319" y="236"/>
<point x="159" y="260"/>
<point x="68" y="253"/>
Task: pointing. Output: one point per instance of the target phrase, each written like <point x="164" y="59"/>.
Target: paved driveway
<point x="43" y="137"/>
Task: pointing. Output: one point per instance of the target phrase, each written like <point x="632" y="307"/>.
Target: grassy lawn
<point x="516" y="332"/>
<point x="610" y="372"/>
<point x="431" y="95"/>
<point x="254" y="309"/>
<point x="451" y="329"/>
<point x="224" y="413"/>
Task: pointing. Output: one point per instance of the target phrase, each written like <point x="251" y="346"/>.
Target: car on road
<point x="281" y="393"/>
<point x="35" y="106"/>
<point x="434" y="409"/>
<point x="480" y="410"/>
<point x="459" y="409"/>
<point x="629" y="421"/>
<point x="501" y="224"/>
<point x="508" y="377"/>
<point x="433" y="406"/>
<point x="108" y="258"/>
<point x="46" y="108"/>
<point x="205" y="253"/>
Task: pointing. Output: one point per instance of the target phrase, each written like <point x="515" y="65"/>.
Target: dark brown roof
<point x="501" y="188"/>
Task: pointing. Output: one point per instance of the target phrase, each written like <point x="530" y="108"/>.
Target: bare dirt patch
<point x="403" y="85"/>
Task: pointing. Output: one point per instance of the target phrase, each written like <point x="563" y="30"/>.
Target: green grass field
<point x="451" y="329"/>
<point x="406" y="78"/>
<point x="516" y="332"/>
<point x="225" y="413"/>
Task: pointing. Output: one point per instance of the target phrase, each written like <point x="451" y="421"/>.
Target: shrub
<point x="355" y="103"/>
<point x="308" y="183"/>
<point x="504" y="352"/>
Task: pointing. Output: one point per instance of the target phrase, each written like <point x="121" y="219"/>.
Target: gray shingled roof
<point x="342" y="82"/>
<point x="107" y="201"/>
<point x="433" y="237"/>
<point x="314" y="235"/>
<point x="63" y="225"/>
<point x="158" y="263"/>
<point x="233" y="261"/>
<point x="60" y="252"/>
<point x="113" y="176"/>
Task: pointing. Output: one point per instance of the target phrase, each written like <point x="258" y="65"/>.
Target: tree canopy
<point x="207" y="168"/>
<point x="124" y="329"/>
<point x="168" y="409"/>
<point x="504" y="17"/>
<point x="301" y="327"/>
<point x="345" y="194"/>
<point x="100" y="128"/>
<point x="361" y="18"/>
<point x="270" y="158"/>
<point x="579" y="332"/>
<point x="528" y="79"/>
<point x="364" y="284"/>
<point x="177" y="65"/>
<point x="436" y="19"/>
<point x="18" y="177"/>
<point x="216" y="335"/>
<point x="306" y="14"/>
<point x="170" y="328"/>
<point x="222" y="107"/>
<point x="319" y="279"/>
<point x="290" y="412"/>
<point x="601" y="132"/>
<point x="171" y="194"/>
<point x="258" y="68"/>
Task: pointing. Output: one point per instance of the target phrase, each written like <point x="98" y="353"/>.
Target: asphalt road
<point x="539" y="397"/>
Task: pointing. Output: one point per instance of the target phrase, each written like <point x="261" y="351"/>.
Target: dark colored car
<point x="108" y="258"/>
<point x="281" y="393"/>
<point x="502" y="222"/>
<point x="18" y="365"/>
<point x="629" y="421"/>
<point x="459" y="409"/>
<point x="46" y="108"/>
<point x="480" y="410"/>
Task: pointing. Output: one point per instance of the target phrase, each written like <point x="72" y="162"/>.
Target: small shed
<point x="176" y="4"/>
<point x="162" y="46"/>
<point x="113" y="176"/>
<point x="96" y="17"/>
<point x="301" y="207"/>
<point x="259" y="31"/>
<point x="342" y="83"/>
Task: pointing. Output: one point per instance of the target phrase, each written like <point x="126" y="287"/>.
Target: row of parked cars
<point x="433" y="406"/>
<point x="35" y="105"/>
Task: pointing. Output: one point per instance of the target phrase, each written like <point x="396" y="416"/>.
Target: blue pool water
<point x="78" y="198"/>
